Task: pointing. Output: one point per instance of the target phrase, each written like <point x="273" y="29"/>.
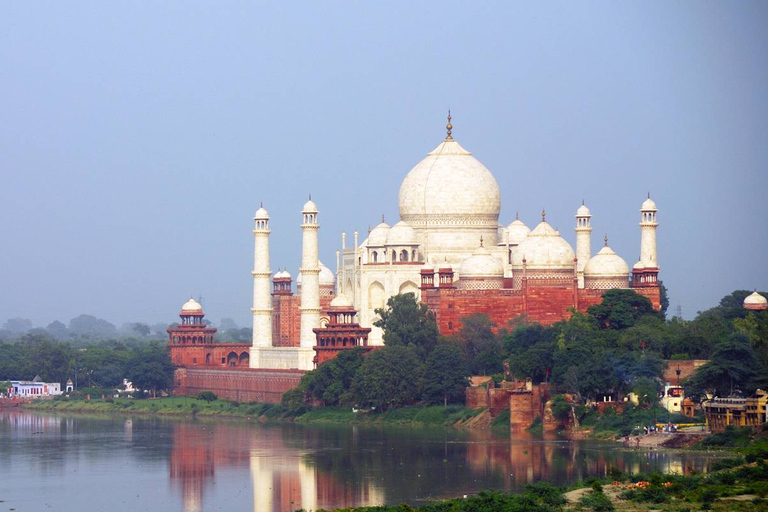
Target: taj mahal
<point x="448" y="248"/>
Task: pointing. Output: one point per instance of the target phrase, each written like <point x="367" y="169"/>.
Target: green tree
<point x="620" y="309"/>
<point x="389" y="377"/>
<point x="151" y="369"/>
<point x="407" y="322"/>
<point x="482" y="346"/>
<point x="732" y="367"/>
<point x="445" y="375"/>
<point x="331" y="382"/>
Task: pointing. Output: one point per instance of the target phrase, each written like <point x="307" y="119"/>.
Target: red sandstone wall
<point x="687" y="367"/>
<point x="545" y="304"/>
<point x="241" y="385"/>
<point x="521" y="410"/>
<point x="215" y="355"/>
<point x="286" y="318"/>
<point x="498" y="400"/>
<point x="476" y="398"/>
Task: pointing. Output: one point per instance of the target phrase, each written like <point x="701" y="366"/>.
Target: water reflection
<point x="199" y="465"/>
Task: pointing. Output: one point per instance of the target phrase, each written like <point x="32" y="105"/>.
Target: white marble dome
<point x="517" y="231"/>
<point x="341" y="301"/>
<point x="326" y="275"/>
<point x="401" y="234"/>
<point x="261" y="214"/>
<point x="756" y="301"/>
<point x="583" y="211"/>
<point x="648" y="205"/>
<point x="449" y="183"/>
<point x="606" y="263"/>
<point x="481" y="264"/>
<point x="309" y="207"/>
<point x="191" y="305"/>
<point x="544" y="248"/>
<point x="378" y="235"/>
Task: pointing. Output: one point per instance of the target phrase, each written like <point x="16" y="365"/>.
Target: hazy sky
<point x="137" y="139"/>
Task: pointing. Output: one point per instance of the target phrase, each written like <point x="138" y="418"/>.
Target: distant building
<point x="739" y="412"/>
<point x="34" y="388"/>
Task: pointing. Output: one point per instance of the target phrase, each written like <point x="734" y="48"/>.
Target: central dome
<point x="449" y="187"/>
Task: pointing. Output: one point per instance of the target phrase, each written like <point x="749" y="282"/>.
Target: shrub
<point x="597" y="501"/>
<point x="208" y="396"/>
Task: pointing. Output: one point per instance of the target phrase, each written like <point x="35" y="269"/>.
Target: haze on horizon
<point x="137" y="140"/>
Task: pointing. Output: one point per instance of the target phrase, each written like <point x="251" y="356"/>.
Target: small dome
<point x="286" y="274"/>
<point x="517" y="231"/>
<point x="309" y="207"/>
<point x="191" y="305"/>
<point x="401" y="234"/>
<point x="261" y="214"/>
<point x="278" y="274"/>
<point x="326" y="276"/>
<point x="481" y="264"/>
<point x="544" y="248"/>
<point x="428" y="266"/>
<point x="341" y="301"/>
<point x="378" y="236"/>
<point x="638" y="266"/>
<point x="648" y="205"/>
<point x="583" y="211"/>
<point x="756" y="301"/>
<point x="606" y="263"/>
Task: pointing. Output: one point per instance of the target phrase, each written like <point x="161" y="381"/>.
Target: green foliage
<point x="151" y="369"/>
<point x="408" y="323"/>
<point x="731" y="437"/>
<point x="561" y="409"/>
<point x="207" y="396"/>
<point x="620" y="309"/>
<point x="389" y="377"/>
<point x="482" y="346"/>
<point x="732" y="367"/>
<point x="445" y="375"/>
<point x="501" y="422"/>
<point x="596" y="501"/>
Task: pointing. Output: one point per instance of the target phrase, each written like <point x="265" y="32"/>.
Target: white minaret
<point x="262" y="286"/>
<point x="583" y="240"/>
<point x="648" y="225"/>
<point x="310" y="276"/>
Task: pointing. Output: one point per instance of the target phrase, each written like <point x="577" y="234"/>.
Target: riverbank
<point x="187" y="407"/>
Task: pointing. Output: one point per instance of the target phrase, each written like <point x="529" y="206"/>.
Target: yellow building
<point x="739" y="412"/>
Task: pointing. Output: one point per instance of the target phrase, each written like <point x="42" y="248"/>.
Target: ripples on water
<point x="83" y="464"/>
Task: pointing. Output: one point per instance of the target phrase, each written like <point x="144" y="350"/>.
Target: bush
<point x="208" y="396"/>
<point x="597" y="501"/>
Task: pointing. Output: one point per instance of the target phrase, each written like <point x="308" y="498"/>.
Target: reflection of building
<point x="739" y="412"/>
<point x="282" y="478"/>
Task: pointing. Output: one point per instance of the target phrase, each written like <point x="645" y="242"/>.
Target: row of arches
<point x="403" y="256"/>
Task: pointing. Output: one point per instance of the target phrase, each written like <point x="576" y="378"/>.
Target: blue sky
<point x="137" y="139"/>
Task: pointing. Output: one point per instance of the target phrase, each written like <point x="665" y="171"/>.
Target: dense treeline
<point x="101" y="365"/>
<point x="617" y="347"/>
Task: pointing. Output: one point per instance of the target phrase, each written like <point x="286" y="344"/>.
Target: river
<point x="86" y="463"/>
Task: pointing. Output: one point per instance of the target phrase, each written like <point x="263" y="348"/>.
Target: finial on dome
<point x="261" y="204"/>
<point x="649" y="195"/>
<point x="369" y="229"/>
<point x="605" y="239"/>
<point x="382" y="218"/>
<point x="449" y="126"/>
<point x="582" y="201"/>
<point x="517" y="215"/>
<point x="543" y="215"/>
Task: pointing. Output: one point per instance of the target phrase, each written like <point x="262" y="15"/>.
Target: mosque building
<point x="448" y="249"/>
<point x="451" y="252"/>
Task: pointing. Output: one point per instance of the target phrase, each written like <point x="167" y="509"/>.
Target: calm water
<point x="83" y="464"/>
